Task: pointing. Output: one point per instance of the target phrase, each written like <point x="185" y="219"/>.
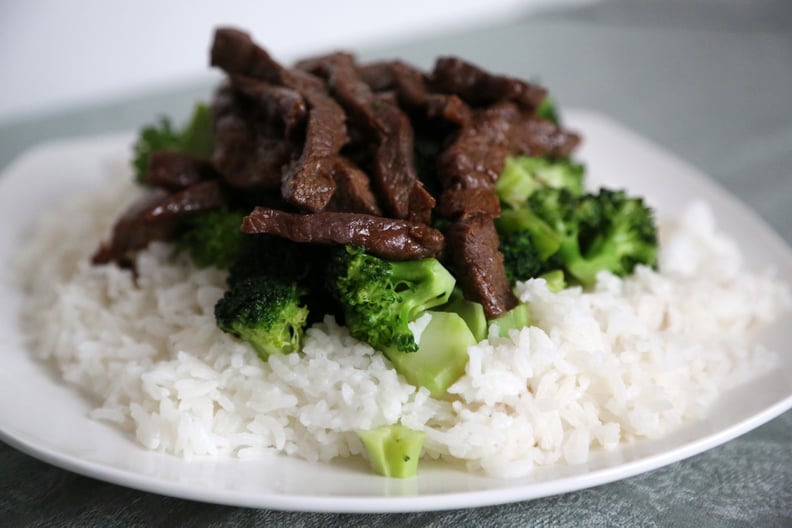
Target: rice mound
<point x="633" y="358"/>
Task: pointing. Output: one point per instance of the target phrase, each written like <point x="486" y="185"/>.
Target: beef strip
<point x="422" y="203"/>
<point x="473" y="160"/>
<point x="200" y="197"/>
<point x="456" y="201"/>
<point x="247" y="159"/>
<point x="388" y="238"/>
<point x="134" y="230"/>
<point x="353" y="190"/>
<point x="377" y="75"/>
<point x="174" y="170"/>
<point x="413" y="93"/>
<point x="157" y="215"/>
<point x="234" y="52"/>
<point x="472" y="251"/>
<point x="276" y="102"/>
<point x="308" y="182"/>
<point x="534" y="136"/>
<point x="391" y="164"/>
<point x="481" y="88"/>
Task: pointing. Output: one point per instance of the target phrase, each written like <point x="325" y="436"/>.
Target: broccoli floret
<point x="266" y="312"/>
<point x="196" y="139"/>
<point x="605" y="231"/>
<point x="213" y="238"/>
<point x="521" y="259"/>
<point x="524" y="175"/>
<point x="545" y="239"/>
<point x="547" y="109"/>
<point x="379" y="297"/>
<point x="393" y="450"/>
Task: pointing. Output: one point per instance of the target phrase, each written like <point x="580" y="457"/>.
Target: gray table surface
<point x="709" y="80"/>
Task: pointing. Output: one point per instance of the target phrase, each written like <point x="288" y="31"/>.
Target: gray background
<point x="709" y="80"/>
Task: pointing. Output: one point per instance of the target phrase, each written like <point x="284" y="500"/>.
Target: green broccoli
<point x="547" y="110"/>
<point x="442" y="355"/>
<point x="470" y="311"/>
<point x="555" y="280"/>
<point x="520" y="221"/>
<point x="393" y="450"/>
<point x="605" y="231"/>
<point x="521" y="259"/>
<point x="379" y="298"/>
<point x="523" y="175"/>
<point x="196" y="139"/>
<point x="516" y="318"/>
<point x="266" y="312"/>
<point x="213" y="238"/>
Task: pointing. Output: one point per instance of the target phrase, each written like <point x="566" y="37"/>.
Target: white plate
<point x="48" y="420"/>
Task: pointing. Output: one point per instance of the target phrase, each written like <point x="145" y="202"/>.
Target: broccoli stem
<point x="515" y="319"/>
<point x="471" y="312"/>
<point x="441" y="357"/>
<point x="393" y="450"/>
<point x="430" y="284"/>
<point x="555" y="280"/>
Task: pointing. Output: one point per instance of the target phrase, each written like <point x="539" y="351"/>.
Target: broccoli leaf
<point x="196" y="139"/>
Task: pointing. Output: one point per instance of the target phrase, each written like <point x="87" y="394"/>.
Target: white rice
<point x="632" y="359"/>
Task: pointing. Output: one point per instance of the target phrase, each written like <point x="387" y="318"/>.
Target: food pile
<point x="335" y="187"/>
<point x="341" y="257"/>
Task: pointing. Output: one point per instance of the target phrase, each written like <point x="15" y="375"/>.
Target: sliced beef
<point x="353" y="189"/>
<point x="422" y="203"/>
<point x="247" y="159"/>
<point x="457" y="201"/>
<point x="534" y="136"/>
<point x="481" y="88"/>
<point x="389" y="238"/>
<point x="378" y="75"/>
<point x="234" y="52"/>
<point x="473" y="160"/>
<point x="472" y="251"/>
<point x="200" y="197"/>
<point x="275" y="102"/>
<point x="134" y="230"/>
<point x="157" y="215"/>
<point x="391" y="162"/>
<point x="477" y="152"/>
<point x="413" y="93"/>
<point x="308" y="182"/>
<point x="174" y="171"/>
